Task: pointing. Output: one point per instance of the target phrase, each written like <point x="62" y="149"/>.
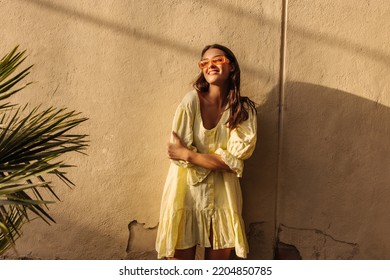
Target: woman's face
<point x="213" y="73"/>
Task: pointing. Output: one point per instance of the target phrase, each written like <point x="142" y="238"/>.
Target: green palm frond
<point x="8" y="65"/>
<point x="31" y="144"/>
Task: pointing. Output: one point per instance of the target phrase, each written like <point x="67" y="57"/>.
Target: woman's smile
<point x="212" y="71"/>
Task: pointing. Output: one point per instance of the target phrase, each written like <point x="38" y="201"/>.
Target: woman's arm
<point x="178" y="151"/>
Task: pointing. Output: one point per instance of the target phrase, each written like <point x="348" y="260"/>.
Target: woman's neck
<point x="218" y="95"/>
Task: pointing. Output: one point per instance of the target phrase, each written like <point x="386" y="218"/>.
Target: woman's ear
<point x="232" y="67"/>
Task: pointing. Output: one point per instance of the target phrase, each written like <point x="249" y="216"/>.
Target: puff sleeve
<point x="183" y="126"/>
<point x="241" y="144"/>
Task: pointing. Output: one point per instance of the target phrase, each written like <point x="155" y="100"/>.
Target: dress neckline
<point x="200" y="114"/>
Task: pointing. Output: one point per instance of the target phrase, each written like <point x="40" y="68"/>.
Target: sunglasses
<point x="216" y="60"/>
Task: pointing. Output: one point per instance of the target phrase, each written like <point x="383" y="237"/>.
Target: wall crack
<point x="318" y="231"/>
<point x="312" y="243"/>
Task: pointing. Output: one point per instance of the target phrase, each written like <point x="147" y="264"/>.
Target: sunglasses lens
<point x="203" y="63"/>
<point x="217" y="60"/>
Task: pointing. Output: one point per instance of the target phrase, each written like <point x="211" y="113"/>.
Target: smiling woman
<point x="214" y="130"/>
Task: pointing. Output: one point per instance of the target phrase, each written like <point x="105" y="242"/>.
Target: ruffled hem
<point x="235" y="164"/>
<point x="186" y="228"/>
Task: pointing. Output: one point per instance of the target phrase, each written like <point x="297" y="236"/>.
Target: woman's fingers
<point x="177" y="149"/>
<point x="176" y="137"/>
<point x="172" y="150"/>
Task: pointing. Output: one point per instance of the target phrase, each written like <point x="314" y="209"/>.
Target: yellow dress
<point x="195" y="198"/>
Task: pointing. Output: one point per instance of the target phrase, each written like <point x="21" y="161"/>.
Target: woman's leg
<point x="220" y="254"/>
<point x="186" y="254"/>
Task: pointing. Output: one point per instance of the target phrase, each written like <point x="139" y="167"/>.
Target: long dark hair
<point x="239" y="106"/>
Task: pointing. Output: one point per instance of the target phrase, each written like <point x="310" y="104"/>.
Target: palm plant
<point x="30" y="146"/>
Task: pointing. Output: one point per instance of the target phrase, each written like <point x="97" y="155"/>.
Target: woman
<point x="214" y="130"/>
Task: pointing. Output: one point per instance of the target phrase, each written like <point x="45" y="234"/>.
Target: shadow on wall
<point x="231" y="10"/>
<point x="132" y="32"/>
<point x="260" y="180"/>
<point x="335" y="174"/>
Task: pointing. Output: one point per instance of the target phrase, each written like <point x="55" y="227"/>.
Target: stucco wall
<point x="126" y="65"/>
<point x="318" y="180"/>
<point x="333" y="196"/>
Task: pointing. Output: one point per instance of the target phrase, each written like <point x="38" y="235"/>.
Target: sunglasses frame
<point x="212" y="60"/>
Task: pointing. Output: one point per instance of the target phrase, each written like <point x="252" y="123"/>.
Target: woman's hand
<point x="177" y="150"/>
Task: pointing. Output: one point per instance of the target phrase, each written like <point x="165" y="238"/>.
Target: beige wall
<point x="320" y="175"/>
<point x="334" y="182"/>
<point x="126" y="65"/>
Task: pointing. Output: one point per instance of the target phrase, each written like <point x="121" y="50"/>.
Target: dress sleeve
<point x="183" y="126"/>
<point x="241" y="144"/>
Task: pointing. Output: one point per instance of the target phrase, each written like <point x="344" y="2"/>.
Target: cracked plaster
<point x="316" y="244"/>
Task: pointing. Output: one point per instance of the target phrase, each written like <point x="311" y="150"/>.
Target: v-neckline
<point x="200" y="114"/>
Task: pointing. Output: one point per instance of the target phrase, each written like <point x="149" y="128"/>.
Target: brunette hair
<point x="239" y="106"/>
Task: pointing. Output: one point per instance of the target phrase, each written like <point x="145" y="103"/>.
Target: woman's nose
<point x="211" y="64"/>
